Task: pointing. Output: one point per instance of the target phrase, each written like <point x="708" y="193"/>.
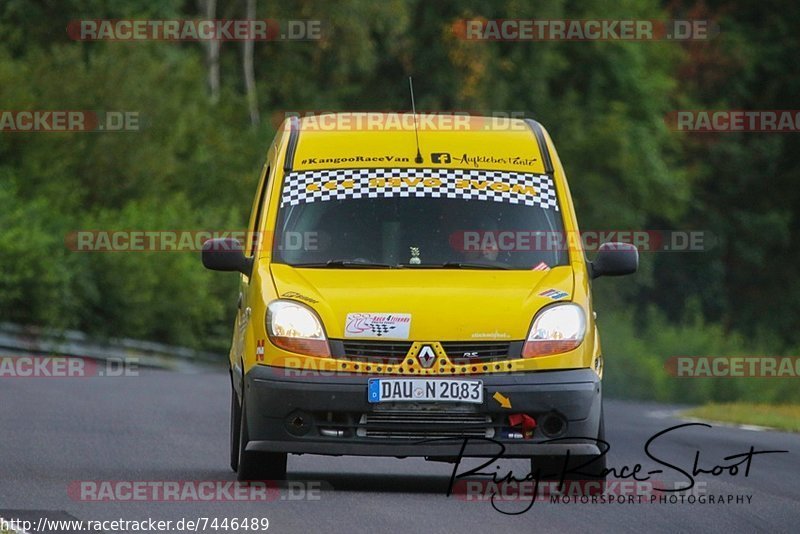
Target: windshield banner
<point x="470" y="184"/>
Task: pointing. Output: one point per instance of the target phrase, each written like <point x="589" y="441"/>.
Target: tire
<point x="551" y="466"/>
<point x="257" y="465"/>
<point x="236" y="424"/>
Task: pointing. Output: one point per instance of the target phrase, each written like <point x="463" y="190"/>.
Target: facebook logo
<point x="440" y="157"/>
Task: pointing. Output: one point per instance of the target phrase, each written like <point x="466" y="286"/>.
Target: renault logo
<point x="426" y="356"/>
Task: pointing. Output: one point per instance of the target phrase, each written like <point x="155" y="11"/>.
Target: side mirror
<point x="226" y="254"/>
<point x="615" y="259"/>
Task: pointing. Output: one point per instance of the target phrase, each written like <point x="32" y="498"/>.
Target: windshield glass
<point x="422" y="218"/>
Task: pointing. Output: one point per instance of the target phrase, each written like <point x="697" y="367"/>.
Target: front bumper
<point x="292" y="413"/>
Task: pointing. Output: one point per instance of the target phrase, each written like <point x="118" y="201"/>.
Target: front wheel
<point x="257" y="465"/>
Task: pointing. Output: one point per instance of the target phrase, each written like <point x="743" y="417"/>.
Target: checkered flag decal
<point x="470" y="184"/>
<point x="381" y="329"/>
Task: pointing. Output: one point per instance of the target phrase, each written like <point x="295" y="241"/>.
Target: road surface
<point x="169" y="426"/>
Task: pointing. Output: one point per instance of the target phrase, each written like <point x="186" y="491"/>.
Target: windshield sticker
<point x="445" y="158"/>
<point x="298" y="296"/>
<point x="541" y="266"/>
<point x="499" y="186"/>
<point x="384" y="325"/>
<point x="355" y="159"/>
<point x="554" y="294"/>
<point x="490" y="335"/>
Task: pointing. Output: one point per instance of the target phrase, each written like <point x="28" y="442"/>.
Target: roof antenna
<point x="418" y="159"/>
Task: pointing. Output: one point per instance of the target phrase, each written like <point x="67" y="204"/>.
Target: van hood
<point x="425" y="304"/>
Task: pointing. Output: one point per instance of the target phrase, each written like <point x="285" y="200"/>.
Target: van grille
<point x="424" y="425"/>
<point x="467" y="352"/>
<point x="459" y="352"/>
<point x="385" y="351"/>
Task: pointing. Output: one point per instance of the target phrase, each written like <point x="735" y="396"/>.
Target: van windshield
<point x="419" y="218"/>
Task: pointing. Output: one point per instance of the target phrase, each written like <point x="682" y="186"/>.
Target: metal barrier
<point x="18" y="339"/>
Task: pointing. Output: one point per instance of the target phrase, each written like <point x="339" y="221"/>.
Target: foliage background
<point x="195" y="162"/>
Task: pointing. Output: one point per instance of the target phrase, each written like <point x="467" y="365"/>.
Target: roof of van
<point x="446" y="140"/>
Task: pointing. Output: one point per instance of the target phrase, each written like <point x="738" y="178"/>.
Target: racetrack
<point x="166" y="426"/>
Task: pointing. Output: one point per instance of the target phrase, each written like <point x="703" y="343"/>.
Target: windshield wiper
<point x="456" y="265"/>
<point x="377" y="265"/>
<point x="346" y="264"/>
<point x="468" y="265"/>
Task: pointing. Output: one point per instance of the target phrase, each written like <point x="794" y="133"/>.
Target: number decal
<point x="476" y="394"/>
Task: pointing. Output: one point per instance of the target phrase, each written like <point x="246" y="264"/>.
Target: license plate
<point x="421" y="389"/>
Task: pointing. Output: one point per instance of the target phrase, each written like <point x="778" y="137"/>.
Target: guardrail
<point x="20" y="339"/>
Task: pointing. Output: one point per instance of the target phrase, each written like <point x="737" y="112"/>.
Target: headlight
<point x="556" y="329"/>
<point x="296" y="328"/>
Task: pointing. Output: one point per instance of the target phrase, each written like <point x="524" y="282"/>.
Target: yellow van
<point x="411" y="287"/>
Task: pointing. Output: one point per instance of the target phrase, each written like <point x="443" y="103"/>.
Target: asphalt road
<point x="166" y="426"/>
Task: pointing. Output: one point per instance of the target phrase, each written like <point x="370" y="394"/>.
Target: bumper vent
<point x="424" y="425"/>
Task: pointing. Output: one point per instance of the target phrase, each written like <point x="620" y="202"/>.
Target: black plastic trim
<point x="538" y="132"/>
<point x="294" y="134"/>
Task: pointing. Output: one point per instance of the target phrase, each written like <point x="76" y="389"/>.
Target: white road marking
<point x="752" y="428"/>
<point x="664" y="414"/>
<point x="676" y="414"/>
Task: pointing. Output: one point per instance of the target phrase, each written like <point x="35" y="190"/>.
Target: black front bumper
<point x="293" y="413"/>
